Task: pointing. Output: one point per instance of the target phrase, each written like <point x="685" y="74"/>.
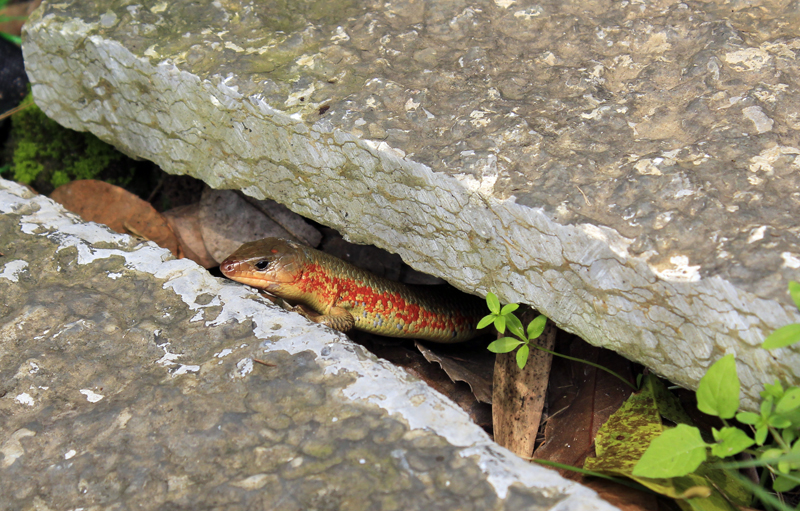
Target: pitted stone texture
<point x="128" y="381"/>
<point x="629" y="169"/>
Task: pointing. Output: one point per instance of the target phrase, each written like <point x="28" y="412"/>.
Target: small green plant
<point x="504" y="317"/>
<point x="775" y="442"/>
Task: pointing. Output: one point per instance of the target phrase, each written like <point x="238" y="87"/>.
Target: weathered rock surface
<point x="630" y="169"/>
<point x="128" y="381"/>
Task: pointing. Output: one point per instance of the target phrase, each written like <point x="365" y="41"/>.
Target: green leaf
<point x="789" y="465"/>
<point x="782" y="337"/>
<point x="783" y="484"/>
<point x="504" y="345"/>
<point x="515" y="326"/>
<point x="771" y="455"/>
<point x="761" y="434"/>
<point x="747" y="417"/>
<point x="509" y="308"/>
<point x="766" y="406"/>
<point x="794" y="290"/>
<point x="486" y="321"/>
<point x="775" y="390"/>
<point x="522" y="356"/>
<point x="718" y="390"/>
<point x="789" y="435"/>
<point x="536" y="327"/>
<point x="789" y="401"/>
<point x="677" y="452"/>
<point x="500" y="324"/>
<point x="732" y="441"/>
<point x="493" y="303"/>
<point x="776" y="421"/>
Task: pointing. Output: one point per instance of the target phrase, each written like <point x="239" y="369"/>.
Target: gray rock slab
<point x="629" y="169"/>
<point x="128" y="381"/>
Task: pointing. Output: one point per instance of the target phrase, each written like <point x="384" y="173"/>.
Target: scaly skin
<point x="347" y="297"/>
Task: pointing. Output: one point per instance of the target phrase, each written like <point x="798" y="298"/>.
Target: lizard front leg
<point x="334" y="316"/>
<point x="337" y="318"/>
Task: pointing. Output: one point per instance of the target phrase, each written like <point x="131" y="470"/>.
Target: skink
<point x="346" y="297"/>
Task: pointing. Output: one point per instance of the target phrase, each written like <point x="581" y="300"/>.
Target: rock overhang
<point x="482" y="146"/>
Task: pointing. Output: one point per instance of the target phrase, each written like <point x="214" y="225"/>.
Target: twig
<point x="16" y="109"/>
<point x="588" y="203"/>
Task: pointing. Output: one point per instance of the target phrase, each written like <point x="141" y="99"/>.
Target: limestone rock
<point x="629" y="169"/>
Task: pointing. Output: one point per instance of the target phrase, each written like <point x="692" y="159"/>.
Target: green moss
<point x="25" y="167"/>
<point x="47" y="155"/>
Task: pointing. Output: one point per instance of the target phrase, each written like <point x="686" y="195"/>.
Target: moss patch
<point x="46" y="155"/>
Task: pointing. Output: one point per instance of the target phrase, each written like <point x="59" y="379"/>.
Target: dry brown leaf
<point x="402" y="354"/>
<point x="518" y="396"/>
<point x="122" y="211"/>
<point x="581" y="399"/>
<point x="185" y="223"/>
<point x="475" y="371"/>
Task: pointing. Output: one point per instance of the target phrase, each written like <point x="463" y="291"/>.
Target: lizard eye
<point x="262" y="265"/>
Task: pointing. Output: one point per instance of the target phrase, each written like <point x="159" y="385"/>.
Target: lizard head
<point x="269" y="264"/>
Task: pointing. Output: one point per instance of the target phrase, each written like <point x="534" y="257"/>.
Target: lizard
<point x="345" y="297"/>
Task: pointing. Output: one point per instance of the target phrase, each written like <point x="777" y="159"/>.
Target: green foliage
<point x="627" y="437"/>
<point x="782" y="337"/>
<point x="681" y="451"/>
<point x="25" y="167"/>
<point x="730" y="442"/>
<point x="778" y="417"/>
<point x="718" y="391"/>
<point x="788" y="334"/>
<point x="504" y="317"/>
<point x="48" y="155"/>
<point x="676" y="452"/>
<point x="679" y="462"/>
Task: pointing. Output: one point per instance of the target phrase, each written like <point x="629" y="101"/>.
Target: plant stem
<point x="767" y="498"/>
<point x="585" y="472"/>
<point x="598" y="366"/>
<point x="779" y="439"/>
